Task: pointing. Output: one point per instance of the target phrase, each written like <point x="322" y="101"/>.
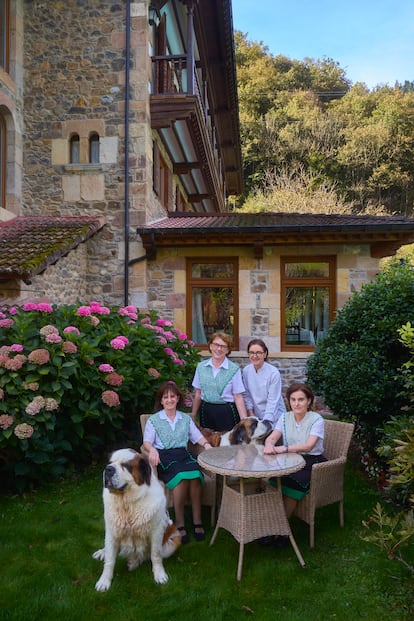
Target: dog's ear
<point x="239" y="435"/>
<point x="144" y="470"/>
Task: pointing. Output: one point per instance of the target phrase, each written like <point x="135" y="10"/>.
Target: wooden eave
<point x="382" y="243"/>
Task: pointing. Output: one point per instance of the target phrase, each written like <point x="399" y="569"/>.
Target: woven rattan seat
<point x="327" y="480"/>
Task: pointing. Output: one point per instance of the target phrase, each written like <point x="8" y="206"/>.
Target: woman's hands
<point x="154" y="457"/>
<point x="271" y="449"/>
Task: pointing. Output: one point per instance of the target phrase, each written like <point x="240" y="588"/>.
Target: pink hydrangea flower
<point x="23" y="431"/>
<point x="145" y="320"/>
<point x="48" y="330"/>
<point x="29" y="306"/>
<point x="35" y="406"/>
<point x="153" y="372"/>
<point x="69" y="347"/>
<point x="53" y="338"/>
<point x="113" y="379"/>
<point x="162" y="340"/>
<point x="111" y="398"/>
<point x="84" y="311"/>
<point x="44" y="308"/>
<point x="163" y="322"/>
<point x="14" y="364"/>
<point x="119" y="342"/>
<point x="6" y="323"/>
<point x="72" y="329"/>
<point x="13" y="310"/>
<point x="178" y="361"/>
<point x="39" y="356"/>
<point x="95" y="321"/>
<point x="105" y="368"/>
<point x="17" y="348"/>
<point x="51" y="404"/>
<point x="31" y="386"/>
<point x="6" y="421"/>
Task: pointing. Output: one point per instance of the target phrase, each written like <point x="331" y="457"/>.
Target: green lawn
<point x="47" y="572"/>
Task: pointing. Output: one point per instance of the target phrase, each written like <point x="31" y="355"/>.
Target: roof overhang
<point x="30" y="244"/>
<point x="384" y="234"/>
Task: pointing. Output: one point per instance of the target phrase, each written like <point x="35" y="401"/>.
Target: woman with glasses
<point x="219" y="388"/>
<point x="263" y="384"/>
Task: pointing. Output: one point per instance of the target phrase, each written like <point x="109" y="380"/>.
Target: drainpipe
<point x="126" y="171"/>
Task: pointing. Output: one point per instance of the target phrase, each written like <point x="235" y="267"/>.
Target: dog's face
<point x="249" y="429"/>
<point x="126" y="467"/>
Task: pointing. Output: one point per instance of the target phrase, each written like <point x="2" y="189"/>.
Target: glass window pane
<point x="306" y="314"/>
<point x="212" y="310"/>
<point x="300" y="269"/>
<point x="212" y="270"/>
<point x="94" y="149"/>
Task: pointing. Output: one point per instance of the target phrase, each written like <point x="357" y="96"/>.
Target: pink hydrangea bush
<point x="73" y="380"/>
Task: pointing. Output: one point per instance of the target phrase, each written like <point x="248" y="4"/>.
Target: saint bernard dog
<point x="248" y="430"/>
<point x="137" y="524"/>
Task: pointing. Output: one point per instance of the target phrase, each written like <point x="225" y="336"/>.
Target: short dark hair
<point x="261" y="344"/>
<point x="304" y="388"/>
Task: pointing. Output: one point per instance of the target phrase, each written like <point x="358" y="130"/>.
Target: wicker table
<point x="250" y="511"/>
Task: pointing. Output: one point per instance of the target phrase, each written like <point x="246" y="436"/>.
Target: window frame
<point x="328" y="282"/>
<point x="5" y="25"/>
<point x="196" y="282"/>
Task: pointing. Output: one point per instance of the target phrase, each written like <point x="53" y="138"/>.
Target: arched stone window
<point x="4" y="34"/>
<point x="74" y="149"/>
<point x="94" y="148"/>
<point x="3" y="162"/>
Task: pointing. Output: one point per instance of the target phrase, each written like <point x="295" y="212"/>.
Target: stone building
<point x="119" y="149"/>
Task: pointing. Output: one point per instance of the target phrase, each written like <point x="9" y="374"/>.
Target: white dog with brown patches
<point x="137" y="525"/>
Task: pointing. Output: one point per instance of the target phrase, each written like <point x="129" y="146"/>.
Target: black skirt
<point x="177" y="464"/>
<point x="218" y="416"/>
<point x="297" y="485"/>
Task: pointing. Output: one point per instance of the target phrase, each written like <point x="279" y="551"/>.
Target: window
<point x="4" y="34"/>
<point x="3" y="152"/>
<point x="94" y="149"/>
<point x="307" y="300"/>
<point x="74" y="154"/>
<point x="212" y="298"/>
<point x="162" y="178"/>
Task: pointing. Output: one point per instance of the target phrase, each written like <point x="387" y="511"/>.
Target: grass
<point x="47" y="572"/>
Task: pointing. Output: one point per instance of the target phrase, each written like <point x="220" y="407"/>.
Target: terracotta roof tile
<point x="30" y="244"/>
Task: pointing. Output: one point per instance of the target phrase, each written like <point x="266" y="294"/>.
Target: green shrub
<point x="73" y="379"/>
<point x="355" y="366"/>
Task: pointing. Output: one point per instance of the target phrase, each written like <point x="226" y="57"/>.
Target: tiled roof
<point x="28" y="245"/>
<point x="275" y="222"/>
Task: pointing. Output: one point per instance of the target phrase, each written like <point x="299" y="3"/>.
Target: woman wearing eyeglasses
<point x="263" y="384"/>
<point x="219" y="388"/>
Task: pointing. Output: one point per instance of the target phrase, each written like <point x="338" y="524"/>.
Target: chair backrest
<point x="143" y="420"/>
<point x="337" y="438"/>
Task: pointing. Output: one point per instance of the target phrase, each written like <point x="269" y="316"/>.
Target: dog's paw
<point x="103" y="584"/>
<point x="160" y="576"/>
<point x="99" y="555"/>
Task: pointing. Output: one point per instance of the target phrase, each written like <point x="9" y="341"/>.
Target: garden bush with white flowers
<point x="73" y="381"/>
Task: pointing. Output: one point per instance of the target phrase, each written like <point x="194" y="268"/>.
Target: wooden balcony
<point x="199" y="142"/>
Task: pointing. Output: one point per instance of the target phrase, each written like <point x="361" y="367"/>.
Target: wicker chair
<point x="327" y="480"/>
<point x="209" y="492"/>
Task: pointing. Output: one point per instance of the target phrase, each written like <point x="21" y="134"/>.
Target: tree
<point x="355" y="367"/>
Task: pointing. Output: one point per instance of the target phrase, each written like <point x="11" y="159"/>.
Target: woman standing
<point x="166" y="436"/>
<point x="302" y="431"/>
<point x="218" y="383"/>
<point x="263" y="384"/>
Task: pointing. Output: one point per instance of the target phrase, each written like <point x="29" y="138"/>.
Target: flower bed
<point x="73" y="377"/>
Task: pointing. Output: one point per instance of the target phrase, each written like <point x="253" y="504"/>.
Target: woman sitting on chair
<point x="302" y="431"/>
<point x="166" y="435"/>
